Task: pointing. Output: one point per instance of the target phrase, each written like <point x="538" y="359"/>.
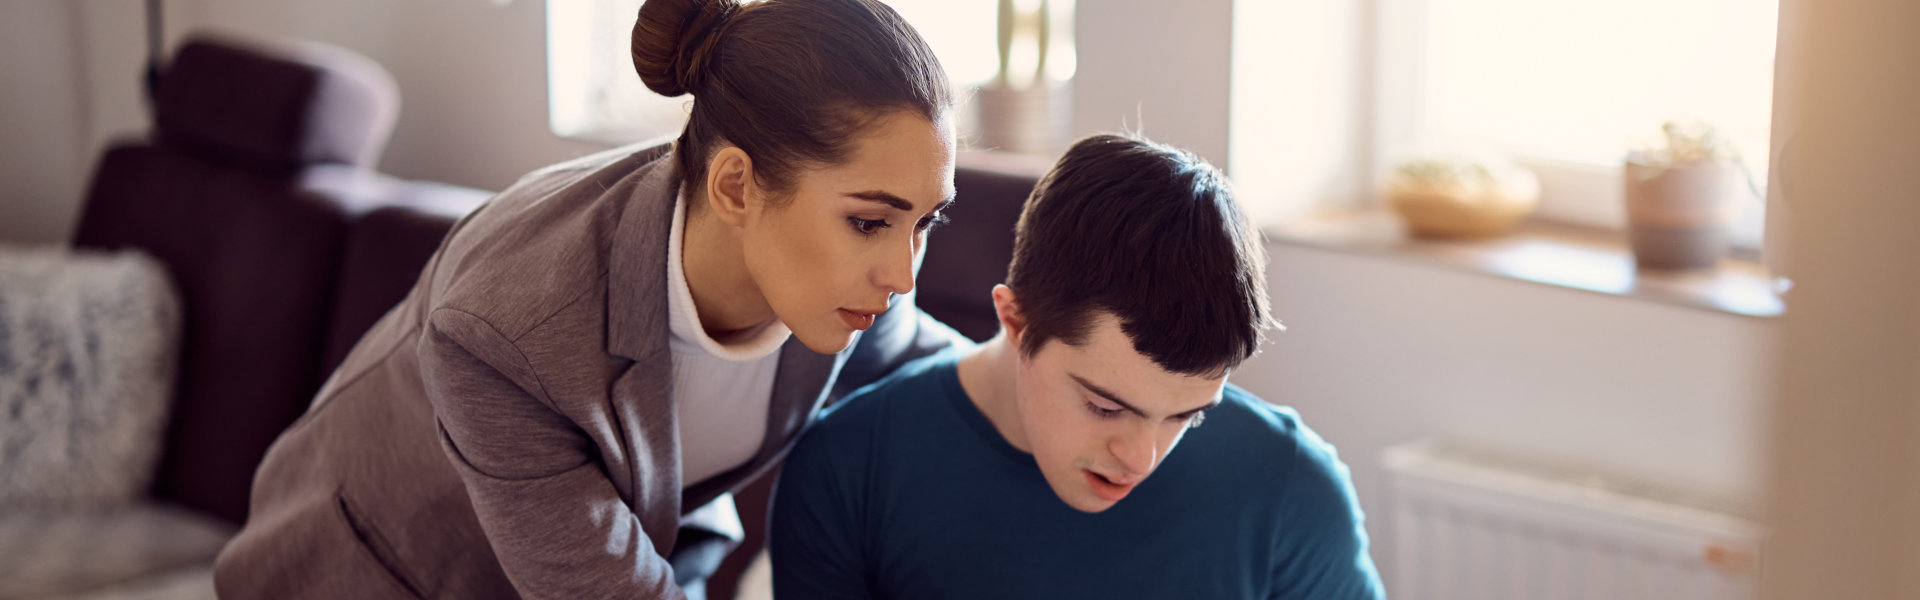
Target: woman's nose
<point x="895" y="272"/>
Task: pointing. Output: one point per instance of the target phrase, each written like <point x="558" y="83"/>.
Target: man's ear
<point x="727" y="178"/>
<point x="1007" y="307"/>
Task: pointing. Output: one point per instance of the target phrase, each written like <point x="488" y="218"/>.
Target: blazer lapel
<point x="637" y="330"/>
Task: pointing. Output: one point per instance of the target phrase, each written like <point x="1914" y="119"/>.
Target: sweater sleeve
<point x="556" y="523"/>
<point x="815" y="534"/>
<point x="1324" y="554"/>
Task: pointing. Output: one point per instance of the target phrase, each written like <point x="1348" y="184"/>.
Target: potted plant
<point x="1681" y="196"/>
<point x="1454" y="197"/>
<point x="1026" y="110"/>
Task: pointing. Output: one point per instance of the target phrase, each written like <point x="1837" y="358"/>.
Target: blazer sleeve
<point x="556" y="523"/>
<point x="898" y="336"/>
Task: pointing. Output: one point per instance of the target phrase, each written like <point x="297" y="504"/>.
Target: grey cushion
<point x="86" y="370"/>
<point x="128" y="551"/>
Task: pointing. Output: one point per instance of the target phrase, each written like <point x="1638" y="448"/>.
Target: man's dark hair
<point x="1149" y="234"/>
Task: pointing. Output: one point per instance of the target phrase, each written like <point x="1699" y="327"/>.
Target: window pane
<point x="1586" y="81"/>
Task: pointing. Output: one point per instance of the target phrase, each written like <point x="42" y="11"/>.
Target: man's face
<point x="1099" y="416"/>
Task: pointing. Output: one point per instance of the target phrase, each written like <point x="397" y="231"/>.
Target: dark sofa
<point x="255" y="189"/>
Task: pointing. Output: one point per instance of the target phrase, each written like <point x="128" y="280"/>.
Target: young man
<point x="1041" y="464"/>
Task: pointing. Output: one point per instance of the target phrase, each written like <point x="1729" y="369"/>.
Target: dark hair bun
<point x="673" y="42"/>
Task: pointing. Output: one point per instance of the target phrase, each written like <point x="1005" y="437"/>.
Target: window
<point x="1565" y="87"/>
<point x="592" y="91"/>
<point x="594" y="94"/>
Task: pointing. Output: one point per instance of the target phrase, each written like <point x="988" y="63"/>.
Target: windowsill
<point x="1547" y="253"/>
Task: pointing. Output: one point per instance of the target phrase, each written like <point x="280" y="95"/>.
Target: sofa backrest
<point x="215" y="195"/>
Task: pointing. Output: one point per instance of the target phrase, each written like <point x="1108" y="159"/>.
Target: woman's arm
<point x="556" y="523"/>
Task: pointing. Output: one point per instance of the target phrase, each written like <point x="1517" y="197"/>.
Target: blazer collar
<point x="637" y="270"/>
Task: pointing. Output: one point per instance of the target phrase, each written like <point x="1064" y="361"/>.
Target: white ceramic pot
<point x="1677" y="215"/>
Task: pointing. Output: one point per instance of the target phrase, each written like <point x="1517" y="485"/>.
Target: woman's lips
<point x="858" y="320"/>
<point x="1105" y="489"/>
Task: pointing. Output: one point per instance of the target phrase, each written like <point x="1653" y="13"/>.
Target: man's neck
<point x="987" y="373"/>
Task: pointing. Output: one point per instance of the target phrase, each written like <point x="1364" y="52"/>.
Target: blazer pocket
<point x="375" y="546"/>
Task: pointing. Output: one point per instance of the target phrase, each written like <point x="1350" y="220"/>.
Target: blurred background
<point x="1596" y="299"/>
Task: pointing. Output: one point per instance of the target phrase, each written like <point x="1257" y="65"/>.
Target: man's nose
<point x="1137" y="450"/>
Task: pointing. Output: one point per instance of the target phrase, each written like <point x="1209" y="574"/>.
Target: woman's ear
<point x="1007" y="308"/>
<point x="727" y="177"/>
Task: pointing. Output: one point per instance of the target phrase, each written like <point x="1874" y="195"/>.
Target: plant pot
<point x="1677" y="215"/>
<point x="1031" y="120"/>
<point x="1464" y="211"/>
<point x="1433" y="214"/>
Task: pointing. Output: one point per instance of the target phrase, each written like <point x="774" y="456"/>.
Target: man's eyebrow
<point x="887" y="198"/>
<point x="1103" y="393"/>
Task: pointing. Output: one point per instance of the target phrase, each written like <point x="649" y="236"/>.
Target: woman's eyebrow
<point x="884" y="197"/>
<point x="889" y="199"/>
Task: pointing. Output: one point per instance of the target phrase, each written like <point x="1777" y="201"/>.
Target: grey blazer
<point x="507" y="429"/>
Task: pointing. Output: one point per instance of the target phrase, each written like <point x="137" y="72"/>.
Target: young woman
<point x="615" y="341"/>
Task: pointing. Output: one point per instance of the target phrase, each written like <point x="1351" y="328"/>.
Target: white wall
<point x="1381" y="351"/>
<point x="1157" y="67"/>
<point x="42" y="129"/>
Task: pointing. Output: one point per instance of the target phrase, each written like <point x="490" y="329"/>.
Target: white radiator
<point x="1471" y="526"/>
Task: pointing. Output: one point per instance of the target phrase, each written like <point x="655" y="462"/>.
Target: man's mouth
<point x="1108" y="489"/>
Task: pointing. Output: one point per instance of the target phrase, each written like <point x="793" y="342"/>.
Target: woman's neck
<point x="724" y="293"/>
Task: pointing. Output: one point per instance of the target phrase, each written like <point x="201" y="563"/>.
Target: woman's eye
<point x="931" y="222"/>
<point x="1104" y="413"/>
<point x="868" y="226"/>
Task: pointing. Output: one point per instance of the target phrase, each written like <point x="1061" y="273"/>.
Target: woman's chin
<point x="831" y="341"/>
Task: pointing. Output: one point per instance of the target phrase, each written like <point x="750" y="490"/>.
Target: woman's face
<point x="844" y="240"/>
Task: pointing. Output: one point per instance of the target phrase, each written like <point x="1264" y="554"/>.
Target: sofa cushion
<point x="254" y="259"/>
<point x="87" y="346"/>
<point x="384" y="253"/>
<point x="50" y="554"/>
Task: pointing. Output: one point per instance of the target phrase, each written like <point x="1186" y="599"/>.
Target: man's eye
<point x="1104" y="413"/>
<point x="1197" y="418"/>
<point x="868" y="226"/>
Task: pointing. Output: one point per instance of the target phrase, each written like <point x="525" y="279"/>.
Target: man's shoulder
<point x="881" y="409"/>
<point x="924" y="379"/>
<point x="1267" y="438"/>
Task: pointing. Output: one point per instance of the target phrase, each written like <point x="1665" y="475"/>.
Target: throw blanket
<point x="87" y="353"/>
